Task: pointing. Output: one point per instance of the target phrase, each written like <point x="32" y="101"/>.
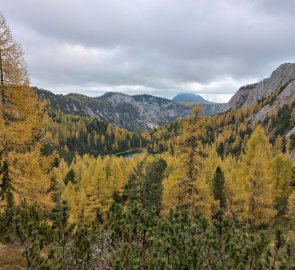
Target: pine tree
<point x="133" y="188"/>
<point x="152" y="189"/>
<point x="293" y="177"/>
<point x="7" y="203"/>
<point x="4" y="178"/>
<point x="59" y="249"/>
<point x="82" y="250"/>
<point x="32" y="231"/>
<point x="218" y="187"/>
<point x="70" y="177"/>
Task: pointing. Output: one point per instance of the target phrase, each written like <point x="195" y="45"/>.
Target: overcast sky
<point x="158" y="47"/>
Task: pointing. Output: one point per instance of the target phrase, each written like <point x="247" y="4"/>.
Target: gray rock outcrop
<point x="278" y="80"/>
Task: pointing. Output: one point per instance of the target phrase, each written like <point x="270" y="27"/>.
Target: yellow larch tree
<point x="281" y="173"/>
<point x="278" y="145"/>
<point x="70" y="196"/>
<point x="96" y="181"/>
<point x="92" y="190"/>
<point x="233" y="184"/>
<point x="194" y="191"/>
<point x="257" y="189"/>
<point x="171" y="187"/>
<point x="20" y="118"/>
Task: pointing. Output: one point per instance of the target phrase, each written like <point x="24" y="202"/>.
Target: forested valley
<point x="207" y="192"/>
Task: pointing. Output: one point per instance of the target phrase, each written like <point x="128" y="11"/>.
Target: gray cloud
<point x="156" y="46"/>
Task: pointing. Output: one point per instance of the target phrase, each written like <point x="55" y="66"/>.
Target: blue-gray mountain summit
<point x="189" y="97"/>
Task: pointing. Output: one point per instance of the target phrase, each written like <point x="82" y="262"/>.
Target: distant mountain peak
<point x="111" y="94"/>
<point x="189" y="97"/>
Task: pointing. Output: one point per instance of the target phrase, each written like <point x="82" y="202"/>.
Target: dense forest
<point x="68" y="134"/>
<point x="212" y="192"/>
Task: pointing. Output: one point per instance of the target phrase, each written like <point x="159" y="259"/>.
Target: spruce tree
<point x="7" y="202"/>
<point x="70" y="177"/>
<point x="293" y="177"/>
<point x="4" y="178"/>
<point x="60" y="248"/>
<point x="152" y="189"/>
<point x="32" y="232"/>
<point x="133" y="188"/>
<point x="218" y="187"/>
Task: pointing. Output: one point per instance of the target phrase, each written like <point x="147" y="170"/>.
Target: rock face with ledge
<point x="248" y="95"/>
<point x="280" y="86"/>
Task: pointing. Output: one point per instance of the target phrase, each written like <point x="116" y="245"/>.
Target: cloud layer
<point x="160" y="47"/>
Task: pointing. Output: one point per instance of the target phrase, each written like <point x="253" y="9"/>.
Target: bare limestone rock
<point x="250" y="94"/>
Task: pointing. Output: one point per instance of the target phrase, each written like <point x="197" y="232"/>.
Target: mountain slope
<point x="276" y="98"/>
<point x="277" y="82"/>
<point x="135" y="113"/>
<point x="270" y="103"/>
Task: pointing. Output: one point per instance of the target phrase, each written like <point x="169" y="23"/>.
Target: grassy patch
<point x="11" y="258"/>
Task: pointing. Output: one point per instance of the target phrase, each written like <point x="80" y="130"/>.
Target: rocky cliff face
<point x="143" y="111"/>
<point x="212" y="108"/>
<point x="277" y="94"/>
<point x="135" y="113"/>
<point x="278" y="81"/>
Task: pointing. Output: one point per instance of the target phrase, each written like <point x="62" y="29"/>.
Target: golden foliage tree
<point x="97" y="179"/>
<point x="256" y="197"/>
<point x="281" y="173"/>
<point x="20" y="118"/>
<point x="194" y="191"/>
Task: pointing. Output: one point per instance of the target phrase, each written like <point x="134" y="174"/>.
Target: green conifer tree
<point x="60" y="249"/>
<point x="70" y="177"/>
<point x="218" y="187"/>
<point x="152" y="189"/>
<point x="4" y="178"/>
<point x="133" y="189"/>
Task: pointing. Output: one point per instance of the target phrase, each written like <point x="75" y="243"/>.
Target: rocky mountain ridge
<point x="277" y="82"/>
<point x="276" y="94"/>
<point x="135" y="113"/>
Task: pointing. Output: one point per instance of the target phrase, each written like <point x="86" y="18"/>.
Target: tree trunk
<point x="2" y="84"/>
